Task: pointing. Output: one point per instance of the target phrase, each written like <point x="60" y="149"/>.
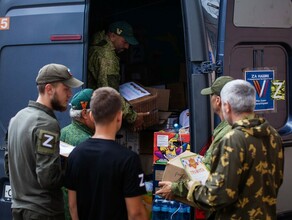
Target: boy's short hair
<point x="105" y="103"/>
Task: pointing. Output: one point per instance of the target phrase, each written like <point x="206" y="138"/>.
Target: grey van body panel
<point x="31" y="42"/>
<point x="23" y="51"/>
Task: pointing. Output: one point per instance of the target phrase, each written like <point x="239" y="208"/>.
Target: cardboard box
<point x="147" y="104"/>
<point x="187" y="165"/>
<point x="158" y="171"/>
<point x="168" y="145"/>
<point x="175" y="171"/>
<point x="162" y="97"/>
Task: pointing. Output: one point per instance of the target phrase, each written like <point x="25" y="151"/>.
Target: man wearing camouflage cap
<point x="104" y="64"/>
<point x="34" y="162"/>
<point x="223" y="127"/>
<point x="219" y="132"/>
<point x="81" y="127"/>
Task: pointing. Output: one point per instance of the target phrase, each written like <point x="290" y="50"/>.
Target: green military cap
<point x="125" y="30"/>
<point x="81" y="100"/>
<point x="54" y="72"/>
<point x="217" y="86"/>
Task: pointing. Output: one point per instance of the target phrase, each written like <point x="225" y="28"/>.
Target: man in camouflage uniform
<point x="247" y="166"/>
<point x="223" y="127"/>
<point x="34" y="161"/>
<point x="104" y="64"/>
<point x="80" y="129"/>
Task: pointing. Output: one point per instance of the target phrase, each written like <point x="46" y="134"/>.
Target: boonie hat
<point x="57" y="73"/>
<point x="217" y="86"/>
<point x="81" y="99"/>
<point x="125" y="30"/>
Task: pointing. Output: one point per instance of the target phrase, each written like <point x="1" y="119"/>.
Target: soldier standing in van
<point x="34" y="161"/>
<point x="104" y="65"/>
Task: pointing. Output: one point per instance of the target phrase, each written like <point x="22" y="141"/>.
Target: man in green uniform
<point x="80" y="129"/>
<point x="34" y="161"/>
<point x="104" y="63"/>
<point x="247" y="166"/>
<point x="223" y="127"/>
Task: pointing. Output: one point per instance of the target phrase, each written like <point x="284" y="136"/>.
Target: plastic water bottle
<point x="156" y="212"/>
<point x="173" y="210"/>
<point x="183" y="212"/>
<point x="187" y="213"/>
<point x="164" y="212"/>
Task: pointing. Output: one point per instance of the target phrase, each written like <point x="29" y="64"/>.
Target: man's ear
<point x="120" y="116"/>
<point x="49" y="89"/>
<point x="91" y="116"/>
<point x="226" y="107"/>
<point x="84" y="113"/>
<point x="218" y="100"/>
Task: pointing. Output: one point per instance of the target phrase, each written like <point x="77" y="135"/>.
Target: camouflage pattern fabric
<point x="246" y="173"/>
<point x="75" y="133"/>
<point x="218" y="133"/>
<point x="104" y="70"/>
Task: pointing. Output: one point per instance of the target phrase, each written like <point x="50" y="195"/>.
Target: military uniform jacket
<point x="75" y="133"/>
<point x="104" y="69"/>
<point x="34" y="160"/>
<point x="246" y="173"/>
<point x="218" y="133"/>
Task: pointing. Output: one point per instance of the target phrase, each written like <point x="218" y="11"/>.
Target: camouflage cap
<point x="81" y="100"/>
<point x="217" y="86"/>
<point x="57" y="73"/>
<point x="125" y="30"/>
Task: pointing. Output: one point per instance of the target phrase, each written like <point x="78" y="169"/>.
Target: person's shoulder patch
<point x="47" y="142"/>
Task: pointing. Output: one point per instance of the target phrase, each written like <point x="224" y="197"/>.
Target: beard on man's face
<point x="56" y="105"/>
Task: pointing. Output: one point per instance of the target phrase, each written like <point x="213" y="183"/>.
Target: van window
<point x="261" y="13"/>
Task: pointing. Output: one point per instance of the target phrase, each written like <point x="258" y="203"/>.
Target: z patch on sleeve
<point x="47" y="142"/>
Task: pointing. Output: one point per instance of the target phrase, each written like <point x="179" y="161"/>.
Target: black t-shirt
<point x="103" y="173"/>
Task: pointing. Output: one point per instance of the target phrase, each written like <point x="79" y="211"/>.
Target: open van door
<point x="257" y="47"/>
<point x="247" y="43"/>
<point x="197" y="54"/>
<point x="30" y="38"/>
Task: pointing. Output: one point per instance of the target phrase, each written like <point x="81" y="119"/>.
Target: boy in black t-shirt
<point x="104" y="179"/>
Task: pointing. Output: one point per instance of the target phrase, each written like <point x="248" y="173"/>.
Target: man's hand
<point x="138" y="124"/>
<point x="165" y="190"/>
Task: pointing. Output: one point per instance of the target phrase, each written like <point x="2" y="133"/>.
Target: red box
<point x="168" y="145"/>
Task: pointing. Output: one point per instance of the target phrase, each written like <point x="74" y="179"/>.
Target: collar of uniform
<point x="42" y="107"/>
<point x="82" y="127"/>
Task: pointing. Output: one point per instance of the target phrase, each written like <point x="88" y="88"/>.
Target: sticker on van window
<point x="4" y="23"/>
